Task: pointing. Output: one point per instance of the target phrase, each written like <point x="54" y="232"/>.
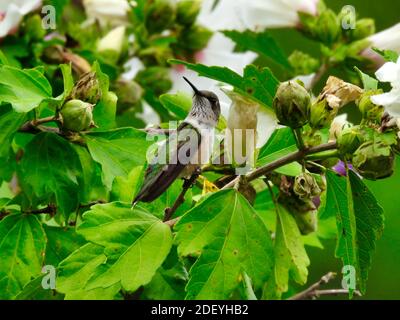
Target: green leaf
<point x="281" y="144"/>
<point x="118" y="151"/>
<point x="370" y="223"/>
<point x="125" y="189"/>
<point x="290" y="256"/>
<point x="91" y="187"/>
<point x="75" y="271"/>
<point x="339" y="203"/>
<point x="23" y="89"/>
<point x="105" y="112"/>
<point x="50" y="166"/>
<point x="136" y="244"/>
<point x="359" y="222"/>
<point x="68" y="80"/>
<point x="35" y="291"/>
<point x="369" y="83"/>
<point x="22" y="247"/>
<point x="260" y="42"/>
<point x="179" y="103"/>
<point x="388" y="55"/>
<point x="61" y="242"/>
<point x="231" y="238"/>
<point x="257" y="84"/>
<point x="10" y="122"/>
<point x="169" y="281"/>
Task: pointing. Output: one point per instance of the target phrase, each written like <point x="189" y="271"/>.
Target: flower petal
<point x="389" y="72"/>
<point x="11" y="20"/>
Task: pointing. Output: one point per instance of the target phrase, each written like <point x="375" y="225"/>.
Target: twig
<point x="334" y="292"/>
<point x="169" y="212"/>
<point x="295" y="156"/>
<point x="51" y="209"/>
<point x="321" y="71"/>
<point x="34" y="126"/>
<point x="314" y="290"/>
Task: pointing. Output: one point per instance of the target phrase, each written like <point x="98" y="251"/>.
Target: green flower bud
<point x="187" y="11"/>
<point x="374" y="160"/>
<point x="195" y="38"/>
<point x="321" y="115"/>
<point x="306" y="218"/>
<point x="77" y="115"/>
<point x="306" y="187"/>
<point x="364" y="29"/>
<point x="369" y="110"/>
<point x="33" y="28"/>
<point x="328" y="27"/>
<point x="160" y="15"/>
<point x="349" y="140"/>
<point x="156" y="79"/>
<point x="304" y="211"/>
<point x="292" y="104"/>
<point x="87" y="89"/>
<point x="303" y="63"/>
<point x="129" y="94"/>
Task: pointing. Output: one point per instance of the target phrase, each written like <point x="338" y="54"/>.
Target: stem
<point x="169" y="212"/>
<point x="299" y="139"/>
<point x="295" y="156"/>
<point x="323" y="155"/>
<point x="313" y="291"/>
<point x="34" y="126"/>
<point x="320" y="73"/>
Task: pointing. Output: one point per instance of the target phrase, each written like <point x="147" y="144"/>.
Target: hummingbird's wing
<point x="158" y="176"/>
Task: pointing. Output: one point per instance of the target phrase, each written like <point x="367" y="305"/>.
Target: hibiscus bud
<point x="112" y="44"/>
<point x="77" y="115"/>
<point x="349" y="140"/>
<point x="87" y="89"/>
<point x="303" y="63"/>
<point x="292" y="104"/>
<point x="160" y="15"/>
<point x="368" y="109"/>
<point x="33" y="28"/>
<point x="306" y="218"/>
<point x="328" y="27"/>
<point x="187" y="11"/>
<point x="195" y="38"/>
<point x="374" y="160"/>
<point x="364" y="29"/>
<point x="155" y="78"/>
<point x="304" y="211"/>
<point x="321" y="115"/>
<point x="129" y="94"/>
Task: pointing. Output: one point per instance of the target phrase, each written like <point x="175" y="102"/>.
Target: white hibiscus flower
<point x="388" y="39"/>
<point x="389" y="72"/>
<point x="253" y="14"/>
<point x="12" y="12"/>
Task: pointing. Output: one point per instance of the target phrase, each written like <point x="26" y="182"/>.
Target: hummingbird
<point x="193" y="140"/>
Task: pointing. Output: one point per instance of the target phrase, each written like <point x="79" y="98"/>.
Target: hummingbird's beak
<point x="196" y="91"/>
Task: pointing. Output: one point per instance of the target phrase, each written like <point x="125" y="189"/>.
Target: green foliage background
<point x="116" y="239"/>
<point x="384" y="276"/>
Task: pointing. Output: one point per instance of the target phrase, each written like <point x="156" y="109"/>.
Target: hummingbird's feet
<point x="168" y="213"/>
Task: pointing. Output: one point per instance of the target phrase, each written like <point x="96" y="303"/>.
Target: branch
<point x="320" y="73"/>
<point x="169" y="212"/>
<point x="295" y="156"/>
<point x="313" y="291"/>
<point x="34" y="126"/>
<point x="51" y="209"/>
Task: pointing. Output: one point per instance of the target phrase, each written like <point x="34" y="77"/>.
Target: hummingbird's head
<point x="205" y="105"/>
